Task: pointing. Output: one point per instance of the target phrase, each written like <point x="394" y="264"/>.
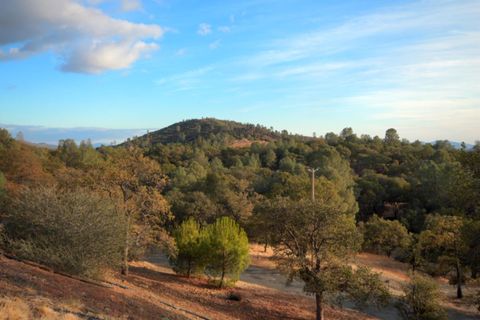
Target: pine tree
<point x="227" y="246"/>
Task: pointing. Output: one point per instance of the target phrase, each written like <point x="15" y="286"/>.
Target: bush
<point x="421" y="300"/>
<point x="188" y="257"/>
<point x="226" y="245"/>
<point x="384" y="237"/>
<point x="74" y="232"/>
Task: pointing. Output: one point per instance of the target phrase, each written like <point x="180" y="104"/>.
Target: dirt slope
<point x="151" y="292"/>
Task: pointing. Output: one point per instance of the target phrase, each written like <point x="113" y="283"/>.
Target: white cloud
<point x="204" y="29"/>
<point x="86" y="39"/>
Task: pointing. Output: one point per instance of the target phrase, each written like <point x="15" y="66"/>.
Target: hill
<point x="193" y="130"/>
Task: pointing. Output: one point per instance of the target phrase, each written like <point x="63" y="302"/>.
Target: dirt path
<point x="262" y="272"/>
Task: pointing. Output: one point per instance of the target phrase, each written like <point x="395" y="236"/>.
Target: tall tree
<point x="442" y="243"/>
<point x="227" y="249"/>
<point x="314" y="242"/>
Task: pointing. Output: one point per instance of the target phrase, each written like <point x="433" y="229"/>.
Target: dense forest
<point x="404" y="197"/>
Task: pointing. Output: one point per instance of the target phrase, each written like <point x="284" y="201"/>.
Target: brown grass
<point x="15" y="308"/>
<point x="153" y="292"/>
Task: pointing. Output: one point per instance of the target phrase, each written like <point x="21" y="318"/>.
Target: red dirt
<point x="149" y="287"/>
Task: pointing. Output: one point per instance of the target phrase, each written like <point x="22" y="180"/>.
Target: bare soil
<point x="153" y="292"/>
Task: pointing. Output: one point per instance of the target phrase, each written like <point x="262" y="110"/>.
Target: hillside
<point x="208" y="128"/>
<point x="150" y="292"/>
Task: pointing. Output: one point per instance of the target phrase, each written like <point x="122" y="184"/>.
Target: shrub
<point x="421" y="300"/>
<point x="384" y="237"/>
<point x="188" y="257"/>
<point x="226" y="245"/>
<point x="71" y="231"/>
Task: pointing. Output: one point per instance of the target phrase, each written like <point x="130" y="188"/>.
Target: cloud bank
<point x="51" y="136"/>
<point x="85" y="39"/>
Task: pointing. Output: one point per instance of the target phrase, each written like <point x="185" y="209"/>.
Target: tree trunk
<point x="125" y="249"/>
<point x="265" y="246"/>
<point x="459" y="281"/>
<point x="319" y="303"/>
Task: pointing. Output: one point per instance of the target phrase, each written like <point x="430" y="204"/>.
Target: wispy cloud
<point x="417" y="62"/>
<point x="204" y="29"/>
<point x="188" y="80"/>
<point x="215" y="44"/>
<point x="224" y="29"/>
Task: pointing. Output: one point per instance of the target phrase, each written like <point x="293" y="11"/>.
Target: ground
<point x="149" y="292"/>
<point x="153" y="291"/>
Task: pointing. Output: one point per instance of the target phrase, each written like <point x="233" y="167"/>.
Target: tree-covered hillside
<point x="209" y="129"/>
<point x="197" y="171"/>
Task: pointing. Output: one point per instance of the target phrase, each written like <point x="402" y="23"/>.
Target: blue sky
<point x="305" y="66"/>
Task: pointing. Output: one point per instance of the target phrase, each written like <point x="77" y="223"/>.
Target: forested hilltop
<point x="208" y="168"/>
<point x="401" y="197"/>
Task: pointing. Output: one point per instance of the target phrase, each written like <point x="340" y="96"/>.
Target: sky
<point x="300" y="65"/>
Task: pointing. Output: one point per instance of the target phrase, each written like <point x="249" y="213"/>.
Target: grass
<point x="14" y="308"/>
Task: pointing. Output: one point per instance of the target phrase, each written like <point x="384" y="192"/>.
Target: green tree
<point x="269" y="158"/>
<point x="227" y="247"/>
<point x="421" y="300"/>
<point x="442" y="243"/>
<point x="391" y="136"/>
<point x="384" y="236"/>
<point x="188" y="257"/>
<point x="471" y="237"/>
<point x="314" y="242"/>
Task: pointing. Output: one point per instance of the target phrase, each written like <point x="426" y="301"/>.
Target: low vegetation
<point x="421" y="300"/>
<point x="71" y="231"/>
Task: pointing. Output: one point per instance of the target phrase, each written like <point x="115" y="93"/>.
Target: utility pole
<point x="313" y="170"/>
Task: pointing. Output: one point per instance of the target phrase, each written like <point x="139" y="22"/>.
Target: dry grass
<point x="15" y="308"/>
<point x="245" y="143"/>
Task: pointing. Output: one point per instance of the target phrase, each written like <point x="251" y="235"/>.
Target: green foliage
<point x="365" y="288"/>
<point x="189" y="255"/>
<point x="384" y="237"/>
<point x="75" y="232"/>
<point x="442" y="243"/>
<point x="2" y="184"/>
<point x="315" y="241"/>
<point x="391" y="136"/>
<point x="471" y="238"/>
<point x="227" y="250"/>
<point x="421" y="300"/>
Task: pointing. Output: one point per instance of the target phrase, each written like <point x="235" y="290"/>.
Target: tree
<point x="72" y="231"/>
<point x="391" y="136"/>
<point x="421" y="300"/>
<point x="471" y="238"/>
<point x="269" y="158"/>
<point x="136" y="182"/>
<point x="188" y="257"/>
<point x="314" y="242"/>
<point x="227" y="247"/>
<point x="442" y="244"/>
<point x="384" y="236"/>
